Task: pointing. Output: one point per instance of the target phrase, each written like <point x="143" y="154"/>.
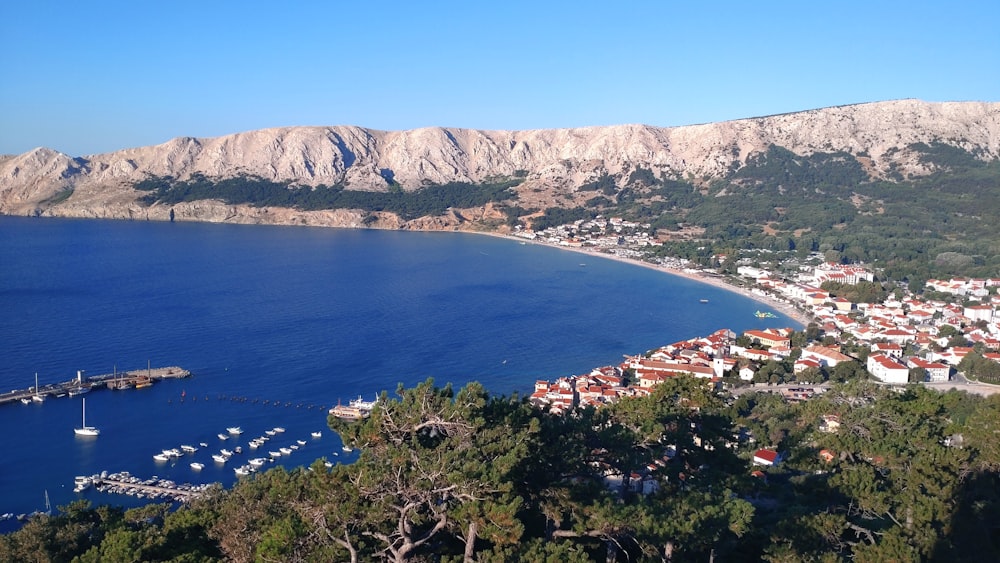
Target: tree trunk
<point x="470" y="542"/>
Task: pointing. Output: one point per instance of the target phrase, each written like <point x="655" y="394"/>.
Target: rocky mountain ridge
<point x="553" y="162"/>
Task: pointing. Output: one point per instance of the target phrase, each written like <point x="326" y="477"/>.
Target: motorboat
<point x="234" y="430"/>
<point x="300" y="442"/>
<point x="197" y="466"/>
<point x="188" y="449"/>
<point x="161" y="458"/>
<point x="317" y="434"/>
<point x="223" y="436"/>
<point x="219" y="458"/>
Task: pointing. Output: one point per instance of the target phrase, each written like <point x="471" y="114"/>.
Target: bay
<point x="299" y="318"/>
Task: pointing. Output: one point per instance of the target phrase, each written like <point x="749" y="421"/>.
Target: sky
<point x="92" y="77"/>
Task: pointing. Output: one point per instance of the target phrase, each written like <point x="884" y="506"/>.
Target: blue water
<point x="299" y="316"/>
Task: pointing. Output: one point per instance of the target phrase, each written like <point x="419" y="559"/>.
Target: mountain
<point x="547" y="168"/>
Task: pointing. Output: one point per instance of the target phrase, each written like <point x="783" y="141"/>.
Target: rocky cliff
<point x="553" y="162"/>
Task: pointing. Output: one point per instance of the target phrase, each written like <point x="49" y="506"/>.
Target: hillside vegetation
<point x="449" y="475"/>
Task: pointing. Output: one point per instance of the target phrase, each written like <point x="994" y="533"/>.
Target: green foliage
<point x="429" y="200"/>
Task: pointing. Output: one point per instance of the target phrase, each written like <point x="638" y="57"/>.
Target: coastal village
<point x="902" y="340"/>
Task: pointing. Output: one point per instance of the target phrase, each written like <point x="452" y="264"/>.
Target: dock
<point x="124" y="483"/>
<point x="134" y="379"/>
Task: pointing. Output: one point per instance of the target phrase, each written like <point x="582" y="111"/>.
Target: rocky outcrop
<point x="553" y="162"/>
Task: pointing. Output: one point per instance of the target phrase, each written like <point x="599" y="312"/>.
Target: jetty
<point x="134" y="379"/>
<point x="124" y="483"/>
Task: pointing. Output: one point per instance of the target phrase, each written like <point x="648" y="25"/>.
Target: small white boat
<point x="188" y="449"/>
<point x="347" y="448"/>
<point x="242" y="470"/>
<point x="254" y="444"/>
<point x="238" y="449"/>
<point x="161" y="457"/>
<point x="219" y="458"/>
<point x="268" y="432"/>
<point x="234" y="430"/>
<point x="37" y="397"/>
<point x="257" y="461"/>
<point x="25" y="401"/>
<point x="294" y="446"/>
<point x="203" y="444"/>
<point x="317" y="434"/>
<point x="274" y="454"/>
<point x="226" y="452"/>
<point x="279" y="429"/>
<point x="300" y="442"/>
<point x="223" y="436"/>
<point x="197" y="466"/>
<point x="285" y="451"/>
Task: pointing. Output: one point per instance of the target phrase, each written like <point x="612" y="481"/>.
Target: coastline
<point x="785" y="309"/>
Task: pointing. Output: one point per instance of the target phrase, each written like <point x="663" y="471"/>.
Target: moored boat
<point x="317" y="434"/>
<point x="197" y="466"/>
<point x="86" y="430"/>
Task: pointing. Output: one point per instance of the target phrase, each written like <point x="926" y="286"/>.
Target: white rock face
<point x="556" y="161"/>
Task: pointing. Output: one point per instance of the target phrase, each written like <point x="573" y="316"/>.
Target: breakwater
<point x="135" y="379"/>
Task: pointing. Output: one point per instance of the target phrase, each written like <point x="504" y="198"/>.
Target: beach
<point x="701" y="277"/>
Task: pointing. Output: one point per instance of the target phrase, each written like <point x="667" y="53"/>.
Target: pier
<point x="134" y="379"/>
<point x="126" y="484"/>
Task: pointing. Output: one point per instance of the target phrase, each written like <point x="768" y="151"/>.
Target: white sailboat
<point x="86" y="430"/>
<point x="37" y="397"/>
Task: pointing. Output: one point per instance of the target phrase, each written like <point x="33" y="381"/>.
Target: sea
<point x="278" y="324"/>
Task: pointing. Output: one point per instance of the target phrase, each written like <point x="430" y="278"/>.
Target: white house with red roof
<point x="936" y="371"/>
<point x="887" y="369"/>
<point x="766" y="457"/>
<point x="825" y="355"/>
<point x="890" y="349"/>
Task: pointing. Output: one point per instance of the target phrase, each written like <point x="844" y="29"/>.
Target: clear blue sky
<point x="91" y="77"/>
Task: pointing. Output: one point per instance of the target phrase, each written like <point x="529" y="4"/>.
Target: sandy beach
<point x="785" y="309"/>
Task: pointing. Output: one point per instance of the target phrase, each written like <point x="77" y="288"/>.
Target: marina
<point x="79" y="385"/>
<point x="124" y="483"/>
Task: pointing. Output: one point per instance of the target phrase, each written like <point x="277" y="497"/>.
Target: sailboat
<point x="37" y="397"/>
<point x="86" y="430"/>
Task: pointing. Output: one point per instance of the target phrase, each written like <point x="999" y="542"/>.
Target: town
<point x="946" y="337"/>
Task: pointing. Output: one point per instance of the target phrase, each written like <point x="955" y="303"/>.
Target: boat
<point x="234" y="430"/>
<point x="197" y="466"/>
<point x="86" y="430"/>
<point x="188" y="449"/>
<point x="242" y="470"/>
<point x="765" y="315"/>
<point x="347" y="448"/>
<point x="172" y="452"/>
<point x="223" y="436"/>
<point x="703" y="301"/>
<point x="317" y="434"/>
<point x="226" y="452"/>
<point x="257" y="461"/>
<point x="274" y="454"/>
<point x="219" y="458"/>
<point x="300" y="442"/>
<point x="79" y="390"/>
<point x="37" y="397"/>
<point x="82" y="483"/>
<point x="161" y="457"/>
<point x="285" y="451"/>
<point x="279" y="429"/>
<point x="270" y="432"/>
<point x="25" y="401"/>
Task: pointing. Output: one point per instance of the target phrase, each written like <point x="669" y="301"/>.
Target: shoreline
<point x="785" y="309"/>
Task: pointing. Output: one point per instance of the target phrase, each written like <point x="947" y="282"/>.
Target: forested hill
<point x="452" y="476"/>
<point x="912" y="186"/>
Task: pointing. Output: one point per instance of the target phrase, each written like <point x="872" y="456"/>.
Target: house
<point x="890" y="349"/>
<point x="936" y="371"/>
<point x="766" y="457"/>
<point x="767" y="337"/>
<point x="824" y="355"/>
<point x="887" y="369"/>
